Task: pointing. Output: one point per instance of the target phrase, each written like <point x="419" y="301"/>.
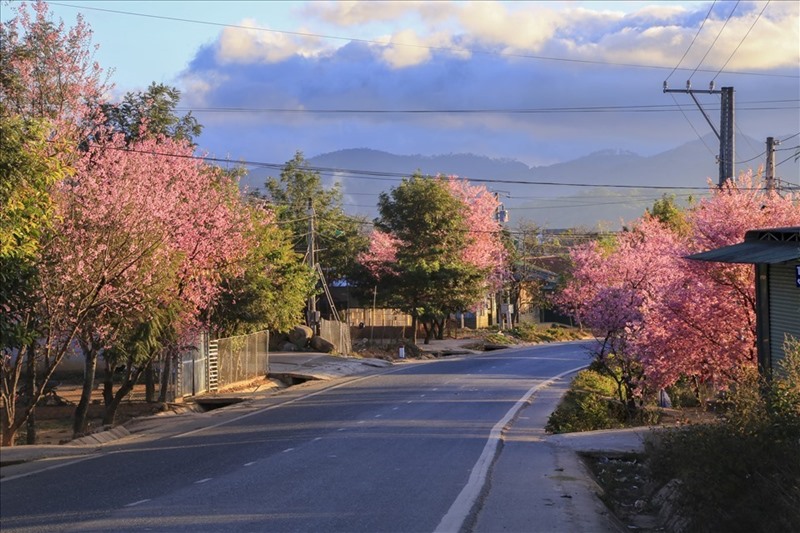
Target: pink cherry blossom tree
<point x="184" y="220"/>
<point x="49" y="71"/>
<point x="676" y="317"/>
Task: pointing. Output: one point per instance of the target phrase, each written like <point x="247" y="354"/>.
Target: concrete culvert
<point x="209" y="404"/>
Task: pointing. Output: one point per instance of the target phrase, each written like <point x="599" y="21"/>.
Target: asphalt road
<point x="405" y="450"/>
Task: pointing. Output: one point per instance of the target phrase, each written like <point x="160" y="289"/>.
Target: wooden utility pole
<point x="312" y="315"/>
<point x="725" y="134"/>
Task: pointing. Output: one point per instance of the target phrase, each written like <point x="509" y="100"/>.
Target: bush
<point x="552" y="333"/>
<point x="683" y="394"/>
<point x="741" y="474"/>
<point x="588" y="405"/>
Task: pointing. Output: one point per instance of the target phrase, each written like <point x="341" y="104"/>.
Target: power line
<point x="409" y="45"/>
<point x="793" y="156"/>
<point x="715" y="39"/>
<point x="652" y="108"/>
<point x="710" y="151"/>
<point x="693" y="40"/>
<point x="751" y="159"/>
<point x="740" y="42"/>
<point x="746" y="139"/>
<point x="398" y="176"/>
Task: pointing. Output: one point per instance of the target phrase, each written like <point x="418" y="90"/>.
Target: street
<point x="405" y="450"/>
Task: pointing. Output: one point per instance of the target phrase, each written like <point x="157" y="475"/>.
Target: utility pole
<point x="726" y="125"/>
<point x="770" y="166"/>
<point x="506" y="307"/>
<point x="312" y="315"/>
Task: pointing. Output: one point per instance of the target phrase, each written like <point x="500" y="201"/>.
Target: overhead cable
<point x="740" y="42"/>
<point x="715" y="39"/>
<point x="653" y="108"/>
<point x="398" y="176"/>
<point x="693" y="40"/>
<point x="460" y="50"/>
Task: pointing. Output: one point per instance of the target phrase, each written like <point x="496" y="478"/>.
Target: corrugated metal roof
<point x="770" y="246"/>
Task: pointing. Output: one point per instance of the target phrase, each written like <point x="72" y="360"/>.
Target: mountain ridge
<point x="605" y="187"/>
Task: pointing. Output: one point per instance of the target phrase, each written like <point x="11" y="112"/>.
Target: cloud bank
<point x="427" y="56"/>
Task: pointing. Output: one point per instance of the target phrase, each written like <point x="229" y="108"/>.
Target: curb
<point x="101" y="437"/>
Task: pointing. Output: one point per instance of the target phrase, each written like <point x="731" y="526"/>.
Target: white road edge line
<point x="134" y="504"/>
<point x="39" y="471"/>
<point x="271" y="407"/>
<point x="461" y="507"/>
<point x="204" y="480"/>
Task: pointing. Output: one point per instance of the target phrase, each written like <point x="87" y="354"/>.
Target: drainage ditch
<point x="209" y="404"/>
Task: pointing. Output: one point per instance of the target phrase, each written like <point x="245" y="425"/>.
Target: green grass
<point x="587" y="405"/>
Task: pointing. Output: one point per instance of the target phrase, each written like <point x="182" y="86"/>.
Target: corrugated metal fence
<point x="338" y="333"/>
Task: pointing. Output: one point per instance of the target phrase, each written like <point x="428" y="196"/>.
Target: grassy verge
<point x="742" y="474"/>
<point x="591" y="404"/>
<point x="737" y="473"/>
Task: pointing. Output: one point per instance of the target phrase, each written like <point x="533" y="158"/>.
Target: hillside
<point x="569" y="193"/>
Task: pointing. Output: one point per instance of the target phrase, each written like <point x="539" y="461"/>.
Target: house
<point x="535" y="279"/>
<point x="776" y="255"/>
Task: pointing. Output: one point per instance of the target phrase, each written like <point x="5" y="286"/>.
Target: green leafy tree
<point x="271" y="290"/>
<point x="152" y="113"/>
<point x="667" y="211"/>
<point x="424" y="271"/>
<point x="339" y="238"/>
<point x="29" y="168"/>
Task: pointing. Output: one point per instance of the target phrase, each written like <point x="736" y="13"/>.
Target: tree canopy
<point x="151" y="113"/>
<point x="106" y="242"/>
<point x="339" y="236"/>
<point x="668" y="316"/>
<point x="436" y="248"/>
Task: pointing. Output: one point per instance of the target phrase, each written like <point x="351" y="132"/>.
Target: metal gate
<point x="191" y="370"/>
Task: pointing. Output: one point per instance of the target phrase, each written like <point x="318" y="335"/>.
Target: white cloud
<point x="357" y="13"/>
<point x="514" y="29"/>
<point x="659" y="36"/>
<point x="255" y="45"/>
<point x="409" y="49"/>
<point x="652" y="35"/>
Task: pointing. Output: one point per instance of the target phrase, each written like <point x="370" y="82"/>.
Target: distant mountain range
<point x="582" y="192"/>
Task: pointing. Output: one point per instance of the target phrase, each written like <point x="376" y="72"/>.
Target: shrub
<point x="683" y="394"/>
<point x="741" y="474"/>
<point x="588" y="405"/>
<point x="552" y="333"/>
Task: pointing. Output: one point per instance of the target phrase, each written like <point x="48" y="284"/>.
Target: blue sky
<point x="253" y="87"/>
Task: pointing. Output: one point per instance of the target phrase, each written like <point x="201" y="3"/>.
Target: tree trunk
<point x="427" y="329"/>
<point x="440" y="328"/>
<point x="30" y="396"/>
<point x="8" y="431"/>
<point x="108" y="384"/>
<point x="131" y="377"/>
<point x="414" y="326"/>
<point x="165" y="371"/>
<point x="30" y="437"/>
<point x="79" y="424"/>
<point x="149" y="383"/>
